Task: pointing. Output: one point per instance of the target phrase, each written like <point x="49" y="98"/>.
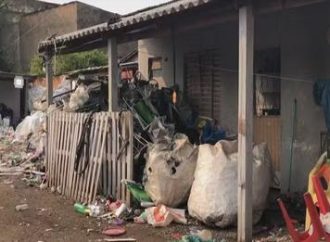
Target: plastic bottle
<point x="80" y="208"/>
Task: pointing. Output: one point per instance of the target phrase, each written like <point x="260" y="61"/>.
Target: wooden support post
<point x="245" y="123"/>
<point x="113" y="75"/>
<point x="49" y="78"/>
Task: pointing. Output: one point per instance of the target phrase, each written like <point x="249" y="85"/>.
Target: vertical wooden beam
<point x="49" y="77"/>
<point x="245" y="123"/>
<point x="113" y="75"/>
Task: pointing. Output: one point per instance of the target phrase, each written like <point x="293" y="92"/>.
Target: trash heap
<point x="184" y="164"/>
<point x="22" y="151"/>
<point x="87" y="94"/>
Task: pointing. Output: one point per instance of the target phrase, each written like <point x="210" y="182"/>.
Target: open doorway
<point x="267" y="101"/>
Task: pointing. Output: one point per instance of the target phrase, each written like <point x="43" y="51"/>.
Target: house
<point x="243" y="63"/>
<point x="29" y="21"/>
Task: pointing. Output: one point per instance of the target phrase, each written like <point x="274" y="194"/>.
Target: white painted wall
<point x="303" y="49"/>
<point x="302" y="35"/>
<point x="161" y="46"/>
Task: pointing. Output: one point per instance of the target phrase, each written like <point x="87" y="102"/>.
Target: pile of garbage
<point x="188" y="165"/>
<point x="81" y="95"/>
<point x="22" y="151"/>
<point x="162" y="113"/>
<point x="181" y="179"/>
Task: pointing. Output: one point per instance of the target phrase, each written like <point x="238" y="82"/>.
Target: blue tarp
<point x="322" y="98"/>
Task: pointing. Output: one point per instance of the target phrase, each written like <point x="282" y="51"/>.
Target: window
<point x="267" y="83"/>
<point x="155" y="67"/>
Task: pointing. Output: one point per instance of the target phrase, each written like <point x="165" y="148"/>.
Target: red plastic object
<point x="114" y="231"/>
<point x="320" y="194"/>
<point x="317" y="232"/>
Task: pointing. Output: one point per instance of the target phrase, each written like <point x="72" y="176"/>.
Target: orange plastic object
<point x="317" y="231"/>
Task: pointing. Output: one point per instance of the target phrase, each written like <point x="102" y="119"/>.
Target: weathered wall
<point x="301" y="34"/>
<point x="60" y="20"/>
<point x="224" y="38"/>
<point x="9" y="29"/>
<point x="303" y="48"/>
<point x="10" y="43"/>
<point x="11" y="97"/>
<point x="161" y="46"/>
<point x="193" y="42"/>
<point x="89" y="15"/>
<point x="38" y="26"/>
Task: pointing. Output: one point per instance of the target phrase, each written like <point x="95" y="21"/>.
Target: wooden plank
<point x="124" y="124"/>
<point x="114" y="154"/>
<point x="59" y="145"/>
<point x="71" y="178"/>
<point x="129" y="158"/>
<point x="92" y="170"/>
<point x="79" y="189"/>
<point x="245" y="123"/>
<point x="68" y="156"/>
<point x="117" y="161"/>
<point x="99" y="158"/>
<point x="109" y="155"/>
<point x="88" y="173"/>
<point x="76" y="176"/>
<point x="113" y="75"/>
<point x="66" y="140"/>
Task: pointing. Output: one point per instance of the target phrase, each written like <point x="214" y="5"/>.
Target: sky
<point x="117" y="6"/>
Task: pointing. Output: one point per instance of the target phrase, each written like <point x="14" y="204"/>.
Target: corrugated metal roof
<point x="141" y="16"/>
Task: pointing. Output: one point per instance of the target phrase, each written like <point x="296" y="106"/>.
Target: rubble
<point x="22" y="151"/>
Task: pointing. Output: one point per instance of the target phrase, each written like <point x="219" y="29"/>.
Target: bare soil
<point x="51" y="218"/>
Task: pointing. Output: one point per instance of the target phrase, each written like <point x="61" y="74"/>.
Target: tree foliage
<point x="70" y="62"/>
<point x="36" y="66"/>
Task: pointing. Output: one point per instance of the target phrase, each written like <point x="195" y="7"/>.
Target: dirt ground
<point x="51" y="217"/>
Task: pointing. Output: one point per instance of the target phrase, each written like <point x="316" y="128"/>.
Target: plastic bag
<point x="169" y="171"/>
<point x="162" y="216"/>
<point x="77" y="99"/>
<point x="213" y="197"/>
<point x="32" y="124"/>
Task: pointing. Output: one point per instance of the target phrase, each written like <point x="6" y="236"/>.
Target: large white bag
<point x="31" y="124"/>
<point x="170" y="171"/>
<point x="213" y="197"/>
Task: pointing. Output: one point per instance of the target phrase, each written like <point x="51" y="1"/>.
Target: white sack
<point x="213" y="197"/>
<point x="169" y="171"/>
<point x="31" y="124"/>
<point x="77" y="99"/>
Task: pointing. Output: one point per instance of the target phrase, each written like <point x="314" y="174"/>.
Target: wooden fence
<point x="109" y="158"/>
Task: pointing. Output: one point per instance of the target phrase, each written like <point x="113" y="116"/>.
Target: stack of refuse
<point x="161" y="113"/>
<point x="22" y="151"/>
<point x="204" y="179"/>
